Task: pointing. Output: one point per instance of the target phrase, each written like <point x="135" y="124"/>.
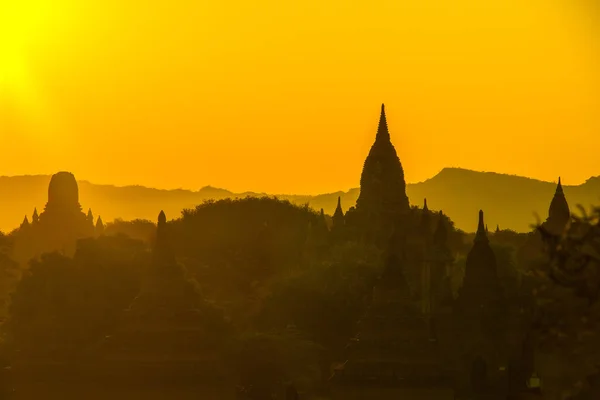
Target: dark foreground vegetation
<point x="260" y="299"/>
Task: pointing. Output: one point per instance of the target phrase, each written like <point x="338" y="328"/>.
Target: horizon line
<point x="132" y="185"/>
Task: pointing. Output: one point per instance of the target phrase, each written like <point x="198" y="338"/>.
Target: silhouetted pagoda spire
<point x="558" y="213"/>
<point x="25" y="223"/>
<point x="497" y="228"/>
<point x="90" y="220"/>
<point x="99" y="227"/>
<point x="382" y="129"/>
<point x="168" y="324"/>
<point x="480" y="283"/>
<point x="480" y="309"/>
<point x="338" y="215"/>
<point x="35" y="218"/>
<point x="163" y="254"/>
<point x="481" y="235"/>
<point x="382" y="196"/>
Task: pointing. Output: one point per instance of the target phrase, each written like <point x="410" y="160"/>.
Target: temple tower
<point x="338" y="227"/>
<point x="99" y="227"/>
<point x="62" y="222"/>
<point x="480" y="313"/>
<point x="558" y="212"/>
<point x="382" y="200"/>
<point x="393" y="346"/>
<point x="168" y="330"/>
<point x="480" y="283"/>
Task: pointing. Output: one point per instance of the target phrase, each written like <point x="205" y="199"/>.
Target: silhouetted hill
<point x="507" y="200"/>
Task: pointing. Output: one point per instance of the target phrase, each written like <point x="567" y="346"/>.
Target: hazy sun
<point x="24" y="24"/>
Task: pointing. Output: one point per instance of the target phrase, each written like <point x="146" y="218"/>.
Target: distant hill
<point x="507" y="200"/>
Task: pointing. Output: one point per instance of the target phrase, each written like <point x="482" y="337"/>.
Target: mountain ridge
<point x="510" y="201"/>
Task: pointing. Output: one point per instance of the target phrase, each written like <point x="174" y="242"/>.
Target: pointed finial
<point x="481" y="228"/>
<point x="25" y="222"/>
<point x="99" y="226"/>
<point x="559" y="188"/>
<point x="497" y="228"/>
<point x="425" y="205"/>
<point x="382" y="129"/>
<point x="35" y="218"/>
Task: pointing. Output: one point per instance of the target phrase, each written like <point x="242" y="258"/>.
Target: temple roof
<point x="558" y="212"/>
<point x="481" y="278"/>
<point x="63" y="191"/>
<point x="382" y="184"/>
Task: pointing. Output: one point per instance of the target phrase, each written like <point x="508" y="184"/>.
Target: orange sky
<point x="284" y="96"/>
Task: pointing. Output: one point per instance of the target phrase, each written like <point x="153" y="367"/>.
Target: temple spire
<point x="338" y="215"/>
<point x="497" y="228"/>
<point x="99" y="227"/>
<point x="558" y="212"/>
<point x="425" y="205"/>
<point x="162" y="248"/>
<point x="481" y="234"/>
<point x="382" y="130"/>
<point x="35" y="218"/>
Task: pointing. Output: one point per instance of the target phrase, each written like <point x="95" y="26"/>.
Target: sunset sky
<point x="284" y="96"/>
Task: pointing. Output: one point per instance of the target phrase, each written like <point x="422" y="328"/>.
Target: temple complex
<point x="169" y="330"/>
<point x="61" y="223"/>
<point x="415" y="341"/>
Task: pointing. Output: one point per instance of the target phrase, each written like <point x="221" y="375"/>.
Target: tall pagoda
<point x="480" y="315"/>
<point x="382" y="200"/>
<point x="394" y="348"/>
<point x="558" y="212"/>
<point x="557" y="221"/>
<point x="168" y="329"/>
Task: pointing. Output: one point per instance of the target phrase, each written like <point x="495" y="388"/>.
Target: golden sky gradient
<point x="284" y="96"/>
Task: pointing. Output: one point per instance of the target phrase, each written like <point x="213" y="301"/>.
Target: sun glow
<point x="24" y="25"/>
